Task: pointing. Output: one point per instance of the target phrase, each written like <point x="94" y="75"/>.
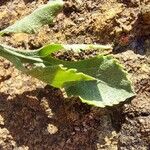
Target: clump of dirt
<point x="36" y="116"/>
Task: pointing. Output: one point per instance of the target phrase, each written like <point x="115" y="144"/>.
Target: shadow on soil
<point x="3" y="2"/>
<point x="28" y="1"/>
<point x="42" y="119"/>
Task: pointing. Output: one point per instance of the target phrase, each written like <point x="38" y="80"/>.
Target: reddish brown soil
<point x="36" y="116"/>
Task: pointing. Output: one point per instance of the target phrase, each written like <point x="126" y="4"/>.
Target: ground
<point x="36" y="116"/>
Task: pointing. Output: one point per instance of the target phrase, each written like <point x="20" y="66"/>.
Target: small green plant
<point x="98" y="81"/>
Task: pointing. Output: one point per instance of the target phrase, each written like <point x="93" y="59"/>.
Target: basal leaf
<point x="99" y="81"/>
<point x="41" y="16"/>
<point x="98" y="93"/>
<point x="53" y="74"/>
<point x="57" y="76"/>
<point x="110" y="87"/>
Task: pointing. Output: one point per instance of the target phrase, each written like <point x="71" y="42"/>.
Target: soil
<point x="36" y="116"/>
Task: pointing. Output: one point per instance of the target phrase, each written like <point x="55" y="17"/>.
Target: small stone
<point x="1" y="120"/>
<point x="52" y="129"/>
<point x="77" y="129"/>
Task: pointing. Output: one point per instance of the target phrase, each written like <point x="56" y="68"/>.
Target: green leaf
<point x="55" y="75"/>
<point x="99" y="81"/>
<point x="110" y="87"/>
<point x="41" y="16"/>
<point x="98" y="93"/>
